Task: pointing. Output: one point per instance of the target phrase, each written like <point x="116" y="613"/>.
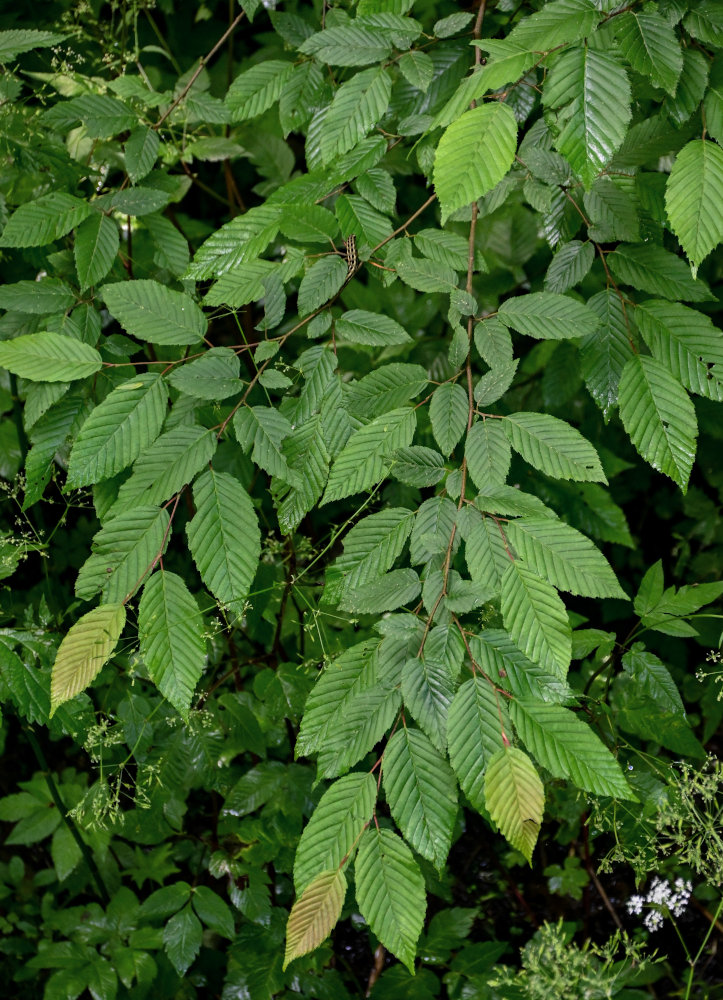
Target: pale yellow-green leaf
<point x="515" y="798"/>
<point x="314" y="914"/>
<point x="84" y="652"/>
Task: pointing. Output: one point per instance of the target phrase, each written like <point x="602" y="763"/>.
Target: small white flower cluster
<point x="662" y="897"/>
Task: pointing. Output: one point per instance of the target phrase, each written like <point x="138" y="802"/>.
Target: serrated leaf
<point x="84" y="651"/>
<point x="417" y="68"/>
<point x="604" y="354"/>
<point x="241" y="239"/>
<point x="427" y="689"/>
<point x="421" y="792"/>
<point x="384" y="593"/>
<point x="494" y="384"/>
<point x="569" y="266"/>
<point x="477" y="726"/>
<point x="141" y="150"/>
<point x="334" y="828"/>
<point x="536" y="619"/>
<point x="433" y="526"/>
<point x="123" y="553"/>
<point x="417" y="466"/>
<point x="486" y="552"/>
<point x="167" y="465"/>
<point x="182" y="937"/>
<point x="657" y="413"/>
<point x="308" y="458"/>
<point x="390" y="892"/>
<point x="694" y="199"/>
<point x="123" y="425"/>
<point x="172" y="643"/>
<point x="686" y="342"/>
<point x="358" y="105"/>
<point x="560" y="554"/>
<point x="557" y="23"/>
<point x="473" y="155"/>
<point x="357" y="217"/>
<point x="515" y="798"/>
<point x="448" y="412"/>
<point x="103" y="116"/>
<point x="370" y="549"/>
<point x="591" y="91"/>
<point x="649" y="44"/>
<point x="553" y="447"/>
<point x="505" y="664"/>
<point x="15" y="41"/>
<point x="37" y="297"/>
<point x="148" y="310"/>
<point x="385" y="389"/>
<point x="493" y="341"/>
<point x="44" y="219"/>
<point x="362" y="41"/>
<point x="213" y="376"/>
<point x="321" y="283"/>
<point x="49" y="357"/>
<point x="265" y="428"/>
<point x="96" y="244"/>
<point x="488" y="453"/>
<point x="568" y="748"/>
<point x="426" y="275"/>
<point x="360" y="464"/>
<point x="547" y="316"/>
<point x="213" y="911"/>
<point x="309" y="224"/>
<point x="256" y="89"/>
<point x="650" y="268"/>
<point x="314" y="914"/>
<point x="224" y="538"/>
<point x="361" y="327"/>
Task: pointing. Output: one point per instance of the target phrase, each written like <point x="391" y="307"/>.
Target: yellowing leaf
<point x="314" y="914"/>
<point x="84" y="652"/>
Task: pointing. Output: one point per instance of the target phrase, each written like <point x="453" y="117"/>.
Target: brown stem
<point x="379" y="957"/>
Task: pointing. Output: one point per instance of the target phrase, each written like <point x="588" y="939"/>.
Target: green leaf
<point x="44" y="219"/>
<point x="314" y="914"/>
<point x="477" y="726"/>
<point x="18" y="40"/>
<point x="506" y="665"/>
<point x="360" y="464"/>
<point x="486" y="551"/>
<point x="370" y="549"/>
<point x="547" y="316"/>
<point x="473" y="155"/>
<point x="167" y="465"/>
<point x="214" y="376"/>
<point x="321" y="283"/>
<point x="691" y="87"/>
<point x="536" y="618"/>
<point x="686" y="342"/>
<point x="309" y="224"/>
<point x="604" y="354"/>
<point x="657" y="413"/>
<point x="704" y="22"/>
<point x="361" y="327"/>
<point x="182" y="939"/>
<point x="256" y="89"/>
<point x="568" y="748"/>
<point x="357" y="217"/>
<point x="427" y="689"/>
<point x="383" y="390"/>
<point x="308" y="458"/>
<point x="444" y="247"/>
<point x="84" y="651"/>
<point x="515" y="798"/>
<point x="488" y="453"/>
<point x="417" y="68"/>
<point x="123" y="553"/>
<point x="358" y="105"/>
<point x="173" y="646"/>
<point x="362" y="41"/>
<point x="569" y="266"/>
<point x="591" y="92"/>
<point x="426" y="275"/>
<point x="384" y="593"/>
<point x="37" y="297"/>
<point x="494" y="384"/>
<point x="557" y="23"/>
<point x="448" y="413"/>
<point x="390" y="892"/>
<point x="150" y="311"/>
<point x="432" y="529"/>
<point x="49" y="357"/>
<point x="122" y="426"/>
<point x="141" y="150"/>
<point x="560" y="554"/>
<point x="243" y="284"/>
<point x="96" y="244"/>
<point x="421" y="792"/>
<point x="266" y="429"/>
<point x="649" y="44"/>
<point x="331" y="834"/>
<point x="212" y="910"/>
<point x="650" y="268"/>
<point x="241" y="239"/>
<point x="224" y="538"/>
<point x="103" y="116"/>
<point x="694" y="199"/>
<point x="417" y="466"/>
<point x="553" y="447"/>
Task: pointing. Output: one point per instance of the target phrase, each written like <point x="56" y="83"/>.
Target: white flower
<point x="635" y="904"/>
<point x="653" y="920"/>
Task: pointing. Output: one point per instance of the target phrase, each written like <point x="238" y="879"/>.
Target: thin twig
<point x="201" y="66"/>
